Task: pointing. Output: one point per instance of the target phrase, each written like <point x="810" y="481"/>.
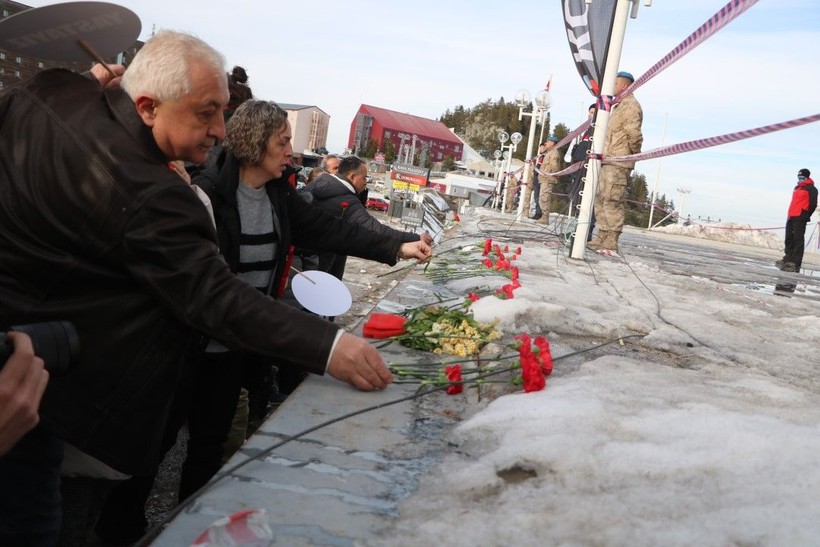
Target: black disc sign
<point x="51" y="32"/>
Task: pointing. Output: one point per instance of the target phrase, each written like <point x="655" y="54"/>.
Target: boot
<point x="609" y="242"/>
<point x="596" y="241"/>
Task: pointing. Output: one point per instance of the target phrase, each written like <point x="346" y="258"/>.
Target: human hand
<point x="22" y="383"/>
<point x="419" y="250"/>
<point x="178" y="167"/>
<point x="359" y="364"/>
<point x="105" y="78"/>
<point x="427" y="238"/>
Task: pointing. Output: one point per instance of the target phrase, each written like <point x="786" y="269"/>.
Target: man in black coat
<point x="97" y="230"/>
<point x="344" y="195"/>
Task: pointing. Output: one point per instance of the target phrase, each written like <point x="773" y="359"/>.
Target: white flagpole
<point x="616" y="41"/>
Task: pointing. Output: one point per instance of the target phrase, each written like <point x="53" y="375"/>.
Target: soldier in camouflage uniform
<point x="552" y="164"/>
<point x="623" y="138"/>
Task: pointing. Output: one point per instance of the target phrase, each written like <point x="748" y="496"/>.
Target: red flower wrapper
<point x="453" y="373"/>
<point x="384" y="325"/>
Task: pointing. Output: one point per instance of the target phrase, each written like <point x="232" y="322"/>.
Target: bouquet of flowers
<point x="453" y="331"/>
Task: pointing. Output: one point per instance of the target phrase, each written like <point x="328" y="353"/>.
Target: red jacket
<point x="804" y="200"/>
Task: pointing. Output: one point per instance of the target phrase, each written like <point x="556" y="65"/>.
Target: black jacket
<point x="339" y="201"/>
<point x="95" y="229"/>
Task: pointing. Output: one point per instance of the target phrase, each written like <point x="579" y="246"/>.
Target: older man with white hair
<point x="97" y="230"/>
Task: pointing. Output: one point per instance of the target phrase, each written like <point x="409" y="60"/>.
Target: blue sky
<point x="425" y="57"/>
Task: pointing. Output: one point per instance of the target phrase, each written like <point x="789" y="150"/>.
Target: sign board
<point x="410" y="174"/>
<point x="438" y="186"/>
<point x="412" y="216"/>
<point x="405" y="187"/>
<point x="379" y="157"/>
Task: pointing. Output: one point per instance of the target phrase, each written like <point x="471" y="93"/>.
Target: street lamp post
<point x="542" y="105"/>
<point x="682" y="193"/>
<point x="402" y="136"/>
<point x="497" y="163"/>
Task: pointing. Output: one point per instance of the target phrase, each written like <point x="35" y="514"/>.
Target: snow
<point x="728" y="231"/>
<point x="703" y="430"/>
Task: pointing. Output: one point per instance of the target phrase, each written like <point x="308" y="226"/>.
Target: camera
<point x="55" y="342"/>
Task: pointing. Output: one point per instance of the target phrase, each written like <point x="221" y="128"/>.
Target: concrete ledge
<point x="341" y="483"/>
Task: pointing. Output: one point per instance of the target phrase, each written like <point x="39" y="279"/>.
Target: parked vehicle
<point x="377" y="202"/>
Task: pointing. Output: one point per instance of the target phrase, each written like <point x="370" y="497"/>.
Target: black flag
<point x="589" y="26"/>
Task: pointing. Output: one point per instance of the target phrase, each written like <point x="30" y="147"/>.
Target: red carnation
<point x="532" y="376"/>
<point x="456" y="217"/>
<point x="531" y="372"/>
<point x="453" y="373"/>
<point x="473" y="297"/>
<point x="505" y="292"/>
<point x="544" y="354"/>
<point x="487" y="262"/>
<point x="518" y="250"/>
<point x="488" y="244"/>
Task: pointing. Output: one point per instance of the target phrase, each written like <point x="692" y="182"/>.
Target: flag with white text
<point x="589" y="26"/>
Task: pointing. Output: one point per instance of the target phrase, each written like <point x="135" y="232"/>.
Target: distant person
<point x="338" y="194"/>
<point x="580" y="151"/>
<point x="330" y="164"/>
<point x="314" y="174"/>
<point x="23" y="380"/>
<point x="803" y="204"/>
<point x="238" y="89"/>
<point x="623" y="138"/>
<point x="552" y="164"/>
<point x="536" y="184"/>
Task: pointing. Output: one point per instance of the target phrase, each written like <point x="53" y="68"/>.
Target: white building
<point x="309" y="125"/>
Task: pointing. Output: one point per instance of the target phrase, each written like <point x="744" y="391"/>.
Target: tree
<point x="389" y="151"/>
<point x="369" y="150"/>
<point x="449" y="163"/>
<point x="636" y="206"/>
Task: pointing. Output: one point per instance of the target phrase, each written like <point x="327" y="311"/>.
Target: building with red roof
<point x="424" y="137"/>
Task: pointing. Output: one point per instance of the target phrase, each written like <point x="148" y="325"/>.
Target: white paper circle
<point x="321" y="293"/>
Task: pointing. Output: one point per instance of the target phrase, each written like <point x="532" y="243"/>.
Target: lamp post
<point x="497" y="164"/>
<point x="402" y="136"/>
<point x="682" y="193"/>
<point x="515" y="138"/>
<point x="413" y="150"/>
<point x="542" y="105"/>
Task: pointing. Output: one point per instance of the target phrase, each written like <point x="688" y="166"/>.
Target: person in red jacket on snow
<point x="803" y="204"/>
